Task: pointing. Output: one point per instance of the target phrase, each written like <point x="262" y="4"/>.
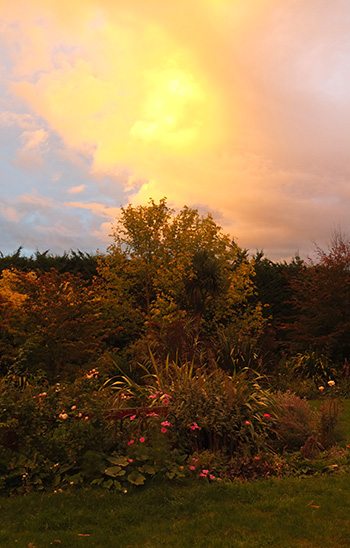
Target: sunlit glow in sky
<point x="237" y="107"/>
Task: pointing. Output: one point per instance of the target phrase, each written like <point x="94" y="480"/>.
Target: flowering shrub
<point x="197" y="422"/>
<point x="56" y="425"/>
<point x="60" y="436"/>
<point x="210" y="409"/>
<point x="215" y="411"/>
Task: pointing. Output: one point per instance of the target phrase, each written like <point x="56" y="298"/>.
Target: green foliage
<point x="216" y="411"/>
<point x="52" y="424"/>
<point x="60" y="437"/>
<point x="211" y="410"/>
<point x="74" y="262"/>
<point x="178" y="270"/>
<point x="311" y="365"/>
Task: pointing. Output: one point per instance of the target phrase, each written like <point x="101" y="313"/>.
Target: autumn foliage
<point x="171" y="283"/>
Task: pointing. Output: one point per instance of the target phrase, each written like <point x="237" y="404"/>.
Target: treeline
<point x="172" y="287"/>
<point x="75" y="262"/>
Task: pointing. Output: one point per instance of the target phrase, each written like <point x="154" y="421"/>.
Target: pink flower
<point x="194" y="426"/>
<point x="166" y="401"/>
<point x="192" y="467"/>
<point x="267" y="415"/>
<point x="152" y="396"/>
<point x="163" y="430"/>
<point x="142" y="440"/>
<point x="194" y="460"/>
<point x="166" y="423"/>
<point x="246" y="422"/>
<point x="132" y="417"/>
<point x="131" y="442"/>
<point x="131" y="460"/>
<point x="205" y="472"/>
<point x="211" y="476"/>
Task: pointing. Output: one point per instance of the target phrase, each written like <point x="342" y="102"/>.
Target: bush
<point x="52" y="425"/>
<point x="218" y="412"/>
<point x="210" y="409"/>
<point x="296" y="421"/>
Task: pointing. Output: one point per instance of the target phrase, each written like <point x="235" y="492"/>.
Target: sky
<point x="240" y="108"/>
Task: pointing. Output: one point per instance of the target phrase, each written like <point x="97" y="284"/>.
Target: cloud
<point x="76" y="189"/>
<point x="9" y="213"/>
<point x="30" y="156"/>
<point x="39" y="222"/>
<point x="98" y="209"/>
<point x="24" y="121"/>
<point x="236" y="107"/>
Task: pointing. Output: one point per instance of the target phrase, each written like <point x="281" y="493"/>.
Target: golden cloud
<point x="209" y="102"/>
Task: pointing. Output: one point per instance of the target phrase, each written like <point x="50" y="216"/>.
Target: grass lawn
<point x="311" y="512"/>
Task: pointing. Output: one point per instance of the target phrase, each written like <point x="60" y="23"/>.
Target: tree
<point x="273" y="282"/>
<point x="75" y="262"/>
<point x="50" y="322"/>
<point x="164" y="268"/>
<point x="321" y="320"/>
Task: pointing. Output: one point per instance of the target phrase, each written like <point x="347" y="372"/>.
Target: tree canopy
<point x="165" y="267"/>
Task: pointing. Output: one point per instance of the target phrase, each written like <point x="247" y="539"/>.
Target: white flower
<point x="331" y="383"/>
<point x="63" y="415"/>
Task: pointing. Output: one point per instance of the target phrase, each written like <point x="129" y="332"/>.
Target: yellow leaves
<point x="178" y="264"/>
<point x="11" y="286"/>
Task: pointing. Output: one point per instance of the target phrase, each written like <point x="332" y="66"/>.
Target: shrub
<point x="330" y="429"/>
<point x="215" y="411"/>
<point x="59" y="422"/>
<point x="210" y="409"/>
<point x="296" y="421"/>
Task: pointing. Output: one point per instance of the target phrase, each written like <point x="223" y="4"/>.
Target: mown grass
<point x="311" y="512"/>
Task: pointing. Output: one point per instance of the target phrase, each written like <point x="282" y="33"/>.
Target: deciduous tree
<point x="165" y="267"/>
